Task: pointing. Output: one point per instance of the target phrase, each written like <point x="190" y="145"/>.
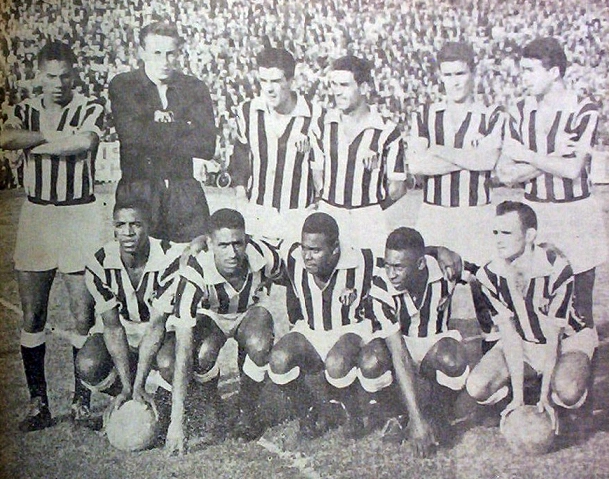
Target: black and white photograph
<point x="326" y="239"/>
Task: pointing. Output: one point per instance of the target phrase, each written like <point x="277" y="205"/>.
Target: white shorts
<point x="467" y="230"/>
<point x="268" y="222"/>
<point x="228" y="323"/>
<point x="576" y="228"/>
<point x="584" y="341"/>
<point x="364" y="227"/>
<point x="419" y="347"/>
<point x="57" y="237"/>
<point x="134" y="331"/>
<point x="324" y="341"/>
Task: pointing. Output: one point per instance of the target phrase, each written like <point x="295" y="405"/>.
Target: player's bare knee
<point x="281" y="360"/>
<point x="338" y="364"/>
<point x="478" y="387"/>
<point x="258" y="347"/>
<point x="165" y="361"/>
<point x="93" y="362"/>
<point x="450" y="357"/>
<point x="374" y="359"/>
<point x="571" y="377"/>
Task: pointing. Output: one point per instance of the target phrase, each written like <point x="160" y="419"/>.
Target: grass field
<point x="63" y="451"/>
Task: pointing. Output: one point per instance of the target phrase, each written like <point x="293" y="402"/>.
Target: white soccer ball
<point x="132" y="427"/>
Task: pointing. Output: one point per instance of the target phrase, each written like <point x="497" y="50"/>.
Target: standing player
<point x="59" y="223"/>
<point x="220" y="295"/>
<point x="551" y="134"/>
<point x="454" y="144"/>
<point x="163" y="119"/>
<point x="361" y="158"/>
<point x="411" y="300"/>
<point x="529" y="290"/>
<point x="123" y="277"/>
<point x="272" y="155"/>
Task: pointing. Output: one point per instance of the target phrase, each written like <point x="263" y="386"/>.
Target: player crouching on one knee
<point x="123" y="278"/>
<point x="220" y="294"/>
<point x="528" y="288"/>
<point x="410" y="299"/>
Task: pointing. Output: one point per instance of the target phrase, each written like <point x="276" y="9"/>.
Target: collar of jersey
<point x="435" y="274"/>
<point x="300" y="109"/>
<point x="156" y="258"/>
<point x="212" y="276"/>
<point x="474" y="107"/>
<point x="374" y="120"/>
<point x="541" y="266"/>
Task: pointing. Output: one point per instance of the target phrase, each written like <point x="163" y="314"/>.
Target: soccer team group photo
<point x="328" y="239"/>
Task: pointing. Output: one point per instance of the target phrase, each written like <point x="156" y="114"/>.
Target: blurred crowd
<point x="224" y="36"/>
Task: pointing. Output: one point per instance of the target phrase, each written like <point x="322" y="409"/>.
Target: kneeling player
<point x="218" y="296"/>
<point x="122" y="278"/>
<point x="529" y="290"/>
<point x="410" y="298"/>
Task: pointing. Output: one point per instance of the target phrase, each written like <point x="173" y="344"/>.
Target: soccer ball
<point x="528" y="431"/>
<point x="132" y="427"/>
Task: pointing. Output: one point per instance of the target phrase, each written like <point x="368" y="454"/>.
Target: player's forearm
<point x="149" y="347"/>
<point x="427" y="163"/>
<point x="508" y="172"/>
<point x="116" y="343"/>
<point x="69" y="145"/>
<point x="514" y="357"/>
<point x="551" y="357"/>
<point x="570" y="167"/>
<point x="14" y="139"/>
<point x="403" y="367"/>
<point x="182" y="373"/>
<point x="472" y="159"/>
<point x="318" y="181"/>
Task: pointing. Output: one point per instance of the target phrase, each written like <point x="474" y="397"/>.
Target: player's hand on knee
<point x="545" y="405"/>
<point x="348" y="296"/>
<point x="175" y="441"/>
<point x="370" y="159"/>
<point x="422" y="437"/>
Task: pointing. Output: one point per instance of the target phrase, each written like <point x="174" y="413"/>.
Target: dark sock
<point x="80" y="391"/>
<point x="33" y="363"/>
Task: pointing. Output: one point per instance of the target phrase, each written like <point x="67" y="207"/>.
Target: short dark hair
<point x="226" y="218"/>
<point x="458" y="52"/>
<point x="163" y="29"/>
<point x="277" y="58"/>
<point x="56" y="51"/>
<point x="321" y="223"/>
<point x="526" y="214"/>
<point x="406" y="239"/>
<point x="133" y="204"/>
<point x="360" y="67"/>
<point x="549" y="51"/>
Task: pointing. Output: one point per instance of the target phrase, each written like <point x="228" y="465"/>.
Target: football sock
<point x="33" y="349"/>
<point x="81" y="392"/>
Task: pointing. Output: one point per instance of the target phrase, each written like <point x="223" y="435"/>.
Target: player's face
<point x="57" y="81"/>
<point x="458" y="81"/>
<point x="536" y="79"/>
<point x="319" y="255"/>
<point x="510" y="237"/>
<point x="348" y="95"/>
<point x="228" y="248"/>
<point x="159" y="54"/>
<point x="401" y="267"/>
<point x="130" y="230"/>
<point x="275" y="88"/>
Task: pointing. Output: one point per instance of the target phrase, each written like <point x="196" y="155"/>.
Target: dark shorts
<point x="179" y="208"/>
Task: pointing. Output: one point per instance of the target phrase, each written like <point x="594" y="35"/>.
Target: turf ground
<point x="63" y="451"/>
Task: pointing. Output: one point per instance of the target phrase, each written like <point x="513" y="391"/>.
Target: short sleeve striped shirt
<point x="54" y="179"/>
<point x="281" y="176"/>
<point x="547" y="298"/>
<point x="347" y="182"/>
<point x="321" y="308"/>
<point x="539" y="132"/>
<point x="462" y="187"/>
<point x="397" y="311"/>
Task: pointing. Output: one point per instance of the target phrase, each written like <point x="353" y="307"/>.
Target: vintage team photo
<point x="325" y="239"/>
